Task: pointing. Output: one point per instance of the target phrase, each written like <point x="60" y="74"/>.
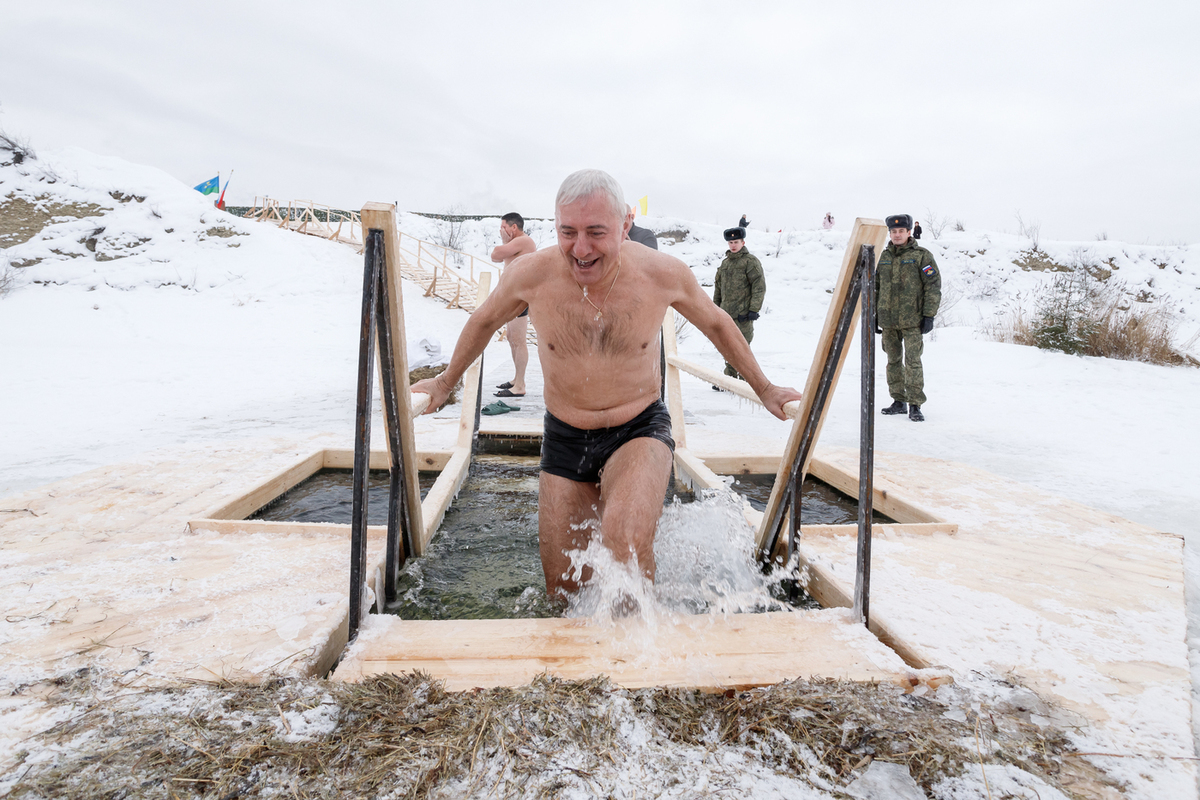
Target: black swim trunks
<point x="579" y="455"/>
<point x="524" y="313"/>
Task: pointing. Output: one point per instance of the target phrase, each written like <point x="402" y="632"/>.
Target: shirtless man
<point x="598" y="303"/>
<point x="515" y="243"/>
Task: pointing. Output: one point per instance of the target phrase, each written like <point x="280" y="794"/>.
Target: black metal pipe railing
<point x="861" y="285"/>
<point x="376" y="320"/>
<point x="866" y="438"/>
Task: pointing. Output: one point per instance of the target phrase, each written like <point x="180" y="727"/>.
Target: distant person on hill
<point x="641" y="235"/>
<point x="514" y="244"/>
<point x="908" y="290"/>
<point x="598" y="303"/>
<point x="827" y="223"/>
<point x="739" y="287"/>
<point x="743" y="222"/>
<point x="917" y="230"/>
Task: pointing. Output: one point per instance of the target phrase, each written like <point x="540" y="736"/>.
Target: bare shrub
<point x="683" y="328"/>
<point x="958" y="225"/>
<point x="1011" y="323"/>
<point x="952" y="294"/>
<point x="1080" y="314"/>
<point x="19" y="148"/>
<point x="8" y="276"/>
<point x="1031" y="230"/>
<point x="935" y="222"/>
<point x="1133" y="331"/>
<point x="448" y="231"/>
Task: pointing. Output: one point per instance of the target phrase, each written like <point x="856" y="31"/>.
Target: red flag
<point x="221" y="199"/>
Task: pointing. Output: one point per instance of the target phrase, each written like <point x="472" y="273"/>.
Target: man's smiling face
<point x="590" y="232"/>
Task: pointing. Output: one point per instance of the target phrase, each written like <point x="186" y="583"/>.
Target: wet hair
<point x="587" y="182"/>
<point x="513" y="218"/>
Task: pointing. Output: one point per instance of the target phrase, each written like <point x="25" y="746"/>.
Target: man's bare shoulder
<point x="525" y="245"/>
<point x="533" y="265"/>
<point x="658" y="265"/>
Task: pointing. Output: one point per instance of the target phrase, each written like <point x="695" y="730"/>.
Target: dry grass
<point x="1081" y="314"/>
<point x="404" y="736"/>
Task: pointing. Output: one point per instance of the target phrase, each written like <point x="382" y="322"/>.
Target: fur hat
<point x="734" y="233"/>
<point x="899" y="221"/>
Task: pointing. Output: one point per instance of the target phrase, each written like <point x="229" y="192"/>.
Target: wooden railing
<point x="448" y="274"/>
<point x="305" y="216"/>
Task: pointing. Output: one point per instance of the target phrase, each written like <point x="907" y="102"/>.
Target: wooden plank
<point x="471" y="381"/>
<point x="696" y="474"/>
<point x="244" y="505"/>
<point x="742" y="651"/>
<point x="382" y="216"/>
<point x="739" y="464"/>
<point x="884" y="500"/>
<point x="427" y="460"/>
<point x="884" y="530"/>
<point x="674" y="391"/>
<point x="444" y="490"/>
<point x="283" y="528"/>
<point x="865" y="231"/>
<point x="506" y="427"/>
<point x="733" y="385"/>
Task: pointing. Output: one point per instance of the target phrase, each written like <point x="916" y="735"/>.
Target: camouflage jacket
<point x="739" y="287"/>
<point x="908" y="286"/>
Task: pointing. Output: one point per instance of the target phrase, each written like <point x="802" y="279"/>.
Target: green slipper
<point x="494" y="409"/>
<point x="506" y="405"/>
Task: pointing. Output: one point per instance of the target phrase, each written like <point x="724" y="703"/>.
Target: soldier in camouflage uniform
<point x="739" y="287"/>
<point x="908" y="290"/>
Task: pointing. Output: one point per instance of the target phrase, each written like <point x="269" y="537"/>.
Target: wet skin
<point x="602" y="369"/>
<point x="514" y="244"/>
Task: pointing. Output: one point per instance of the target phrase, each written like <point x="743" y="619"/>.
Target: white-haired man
<point x="598" y="305"/>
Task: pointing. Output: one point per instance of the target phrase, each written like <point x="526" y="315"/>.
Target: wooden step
<point x="705" y="652"/>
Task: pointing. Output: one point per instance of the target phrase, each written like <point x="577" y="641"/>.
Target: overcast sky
<point x="1084" y="117"/>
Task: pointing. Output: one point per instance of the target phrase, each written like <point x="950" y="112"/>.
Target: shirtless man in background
<point x="598" y="303"/>
<point x="514" y="244"/>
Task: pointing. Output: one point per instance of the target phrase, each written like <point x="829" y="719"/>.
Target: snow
<point x="191" y="337"/>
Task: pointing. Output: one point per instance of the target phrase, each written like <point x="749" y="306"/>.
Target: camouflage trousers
<point x="905" y="376"/>
<point x="747" y="329"/>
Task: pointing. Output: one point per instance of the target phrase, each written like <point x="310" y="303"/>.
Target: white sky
<point x="1083" y="116"/>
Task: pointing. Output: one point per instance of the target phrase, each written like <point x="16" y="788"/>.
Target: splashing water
<point x="704" y="552"/>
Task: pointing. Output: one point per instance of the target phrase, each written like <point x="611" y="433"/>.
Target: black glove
<point x="926" y="324"/>
<point x="753" y="315"/>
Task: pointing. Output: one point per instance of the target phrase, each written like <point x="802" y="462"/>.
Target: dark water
<point x="328" y="496"/>
<point x="820" y="503"/>
<point x="484" y="562"/>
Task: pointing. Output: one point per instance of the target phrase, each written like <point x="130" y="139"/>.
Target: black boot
<point x="914" y="413"/>
<point x="897" y="407"/>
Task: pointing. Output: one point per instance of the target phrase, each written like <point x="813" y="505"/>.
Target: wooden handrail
<point x="732" y="385"/>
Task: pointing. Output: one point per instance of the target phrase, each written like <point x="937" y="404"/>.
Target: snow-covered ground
<point x="158" y="321"/>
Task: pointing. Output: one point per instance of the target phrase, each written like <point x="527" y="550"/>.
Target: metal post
<point x="866" y="437"/>
<point x="362" y="431"/>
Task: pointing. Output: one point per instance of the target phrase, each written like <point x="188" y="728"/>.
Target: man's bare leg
<point x="628" y="501"/>
<point x="632" y="487"/>
<point x="520" y="351"/>
<point x="563" y="505"/>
